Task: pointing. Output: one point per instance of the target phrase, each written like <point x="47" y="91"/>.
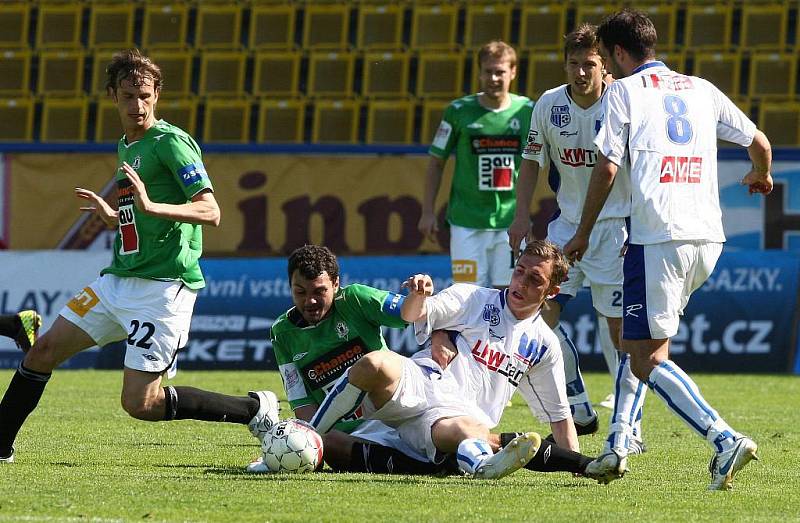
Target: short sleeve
<point x="379" y="307"/>
<point x="293" y="384"/>
<point x="612" y="139"/>
<point x="732" y="124"/>
<point x="536" y="148"/>
<point x="181" y="155"/>
<point x="446" y="135"/>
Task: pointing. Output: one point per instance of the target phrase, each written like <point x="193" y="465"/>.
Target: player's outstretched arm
<point x="526" y="184"/>
<point x="419" y="286"/>
<point x="98" y="206"/>
<point x="759" y="179"/>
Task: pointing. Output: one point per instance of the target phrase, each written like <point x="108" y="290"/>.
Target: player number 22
<point x="679" y="129"/>
<point x="143" y="342"/>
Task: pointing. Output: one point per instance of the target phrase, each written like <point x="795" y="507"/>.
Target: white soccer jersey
<point x="498" y="353"/>
<point x="664" y="126"/>
<point x="564" y="132"/>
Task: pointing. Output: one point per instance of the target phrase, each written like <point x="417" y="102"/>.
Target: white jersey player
<point x="664" y="126"/>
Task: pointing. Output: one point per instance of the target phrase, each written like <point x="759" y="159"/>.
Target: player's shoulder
<point x="469" y="101"/>
<point x="554" y="96"/>
<point x="167" y="133"/>
<point x="520" y="100"/>
<point x="282" y="324"/>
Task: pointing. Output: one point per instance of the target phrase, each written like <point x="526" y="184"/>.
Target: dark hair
<point x="631" y="30"/>
<point x="497" y="49"/>
<point x="133" y="66"/>
<point x="583" y="37"/>
<point x="549" y="251"/>
<point x="313" y="260"/>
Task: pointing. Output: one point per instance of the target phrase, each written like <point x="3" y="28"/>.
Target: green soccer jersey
<point x="487" y="146"/>
<point x="312" y="357"/>
<point x="169" y="163"/>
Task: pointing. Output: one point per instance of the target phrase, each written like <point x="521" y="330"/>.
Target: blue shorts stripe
<point x="635" y="325"/>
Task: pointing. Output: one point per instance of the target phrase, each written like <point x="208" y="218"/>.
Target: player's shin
<point x="192" y="403"/>
<point x="20" y="399"/>
<point x="342" y="401"/>
<point x="629" y="398"/>
<point x="551" y="458"/>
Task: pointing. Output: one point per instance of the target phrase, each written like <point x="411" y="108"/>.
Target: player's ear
<point x="336" y="284"/>
<point x="553" y="291"/>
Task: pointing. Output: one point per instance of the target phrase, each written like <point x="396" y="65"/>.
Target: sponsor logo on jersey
<point x="491" y="314"/>
<point x="299" y="356"/>
<point x="465" y="271"/>
<point x="577" y="157"/>
<point x="192" y="173"/>
<point x="342" y="329"/>
<point x="681" y="169"/>
<point x="532" y="145"/>
<point x="559" y="116"/>
<point x="497" y="361"/>
<point x="126" y="217"/>
<point x="328" y="367"/>
<point x="291" y="377"/>
<point x="667" y="81"/>
<point x="567" y="133"/>
<point x="442" y="135"/>
<point x="496" y="155"/>
<point x="392" y="303"/>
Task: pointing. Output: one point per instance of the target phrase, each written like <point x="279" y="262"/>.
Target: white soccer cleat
<point x="607" y="467"/>
<point x="258" y="467"/>
<point x="267" y="414"/>
<point x="724" y="465"/>
<point x="8" y="459"/>
<point x="510" y="458"/>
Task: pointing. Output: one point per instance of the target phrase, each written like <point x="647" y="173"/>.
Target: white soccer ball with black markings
<point x="292" y="445"/>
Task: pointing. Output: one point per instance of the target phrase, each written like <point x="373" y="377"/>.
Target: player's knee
<point x="42" y="356"/>
<point x="642" y="365"/>
<point x="370" y="371"/>
<point x="141" y="407"/>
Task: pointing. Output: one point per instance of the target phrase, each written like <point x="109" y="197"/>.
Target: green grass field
<point x="81" y="458"/>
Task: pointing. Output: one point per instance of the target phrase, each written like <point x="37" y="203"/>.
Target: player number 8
<point x="679" y="129"/>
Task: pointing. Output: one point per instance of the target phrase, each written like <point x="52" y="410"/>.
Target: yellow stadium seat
<point x="60" y="72"/>
<point x="708" y="27"/>
<point x="59" y="26"/>
<point x="111" y="26"/>
<point x="721" y="69"/>
<point x="386" y="74"/>
<point x="107" y="126"/>
<point x="587" y="12"/>
<point x="100" y="60"/>
<point x="440" y="75"/>
<point x="476" y="71"/>
<point x="326" y="26"/>
<point x="272" y="27"/>
<point x="764" y="26"/>
<point x="16" y="119"/>
<point x="542" y="27"/>
<point x="276" y="73"/>
<point x="64" y="119"/>
<point x="336" y="121"/>
<point x="390" y="122"/>
<point x="222" y="73"/>
<point x="181" y="112"/>
<point x="781" y="123"/>
<point x="330" y="74"/>
<point x="281" y="121"/>
<point x="545" y="71"/>
<point x="434" y="27"/>
<point x="675" y="61"/>
<point x="218" y="26"/>
<point x="176" y="69"/>
<point x="15" y="67"/>
<point x="164" y="25"/>
<point x="486" y="22"/>
<point x="14" y="23"/>
<point x="773" y="75"/>
<point x="227" y="120"/>
<point x="665" y="19"/>
<point x="432" y="111"/>
<point x="380" y="27"/>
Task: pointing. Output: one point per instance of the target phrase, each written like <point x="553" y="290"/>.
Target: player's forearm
<point x="200" y="212"/>
<point x="760" y="153"/>
<point x="413" y="308"/>
<point x="526" y="184"/>
<point x="433" y="179"/>
<point x="600" y="185"/>
<point x="565" y="435"/>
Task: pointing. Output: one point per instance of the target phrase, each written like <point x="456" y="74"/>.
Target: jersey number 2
<point x="143" y="342"/>
<point x="679" y="129"/>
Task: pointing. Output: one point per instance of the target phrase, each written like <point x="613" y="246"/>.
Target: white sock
<point x="342" y="400"/>
<point x="471" y="453"/>
<point x="682" y="397"/>
<point x="629" y="397"/>
<point x="579" y="403"/>
<point x="610" y="353"/>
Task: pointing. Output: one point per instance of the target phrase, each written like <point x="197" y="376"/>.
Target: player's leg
<point x="22" y="327"/>
<point x="500" y="259"/>
<point x="610" y="355"/>
<point x="469" y="255"/>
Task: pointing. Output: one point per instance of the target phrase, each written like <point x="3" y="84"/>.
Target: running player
<point x="663" y="126"/>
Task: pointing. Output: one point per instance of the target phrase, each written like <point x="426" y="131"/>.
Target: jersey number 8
<point x="679" y="129"/>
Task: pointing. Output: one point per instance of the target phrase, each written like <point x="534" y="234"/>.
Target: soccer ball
<point x="292" y="446"/>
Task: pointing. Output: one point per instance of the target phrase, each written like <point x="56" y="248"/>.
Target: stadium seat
<point x="64" y="119"/>
<point x="336" y="121"/>
<point x="675" y="61"/>
<point x="772" y="75"/>
<point x="16" y="119"/>
<point x="222" y="73"/>
<point x="764" y="26"/>
<point x="164" y="25"/>
<point x="276" y="73"/>
<point x="434" y="27"/>
<point x="390" y="122"/>
<point x="227" y="120"/>
<point x="218" y="26"/>
<point x="14" y="24"/>
<point x="60" y="72"/>
<point x="15" y="77"/>
<point x="326" y="26"/>
<point x="542" y="27"/>
<point x="100" y="59"/>
<point x="665" y="19"/>
<point x="440" y="75"/>
<point x="432" y="111"/>
<point x="544" y="71"/>
<point x="176" y="69"/>
<point x="330" y="74"/>
<point x="107" y="126"/>
<point x="593" y="13"/>
<point x="111" y="26"/>
<point x="59" y="26"/>
<point x="708" y="27"/>
<point x="721" y="69"/>
<point x="476" y="71"/>
<point x="281" y="121"/>
<point x="380" y="27"/>
<point x="486" y="22"/>
<point x="272" y="27"/>
<point x="781" y="123"/>
<point x="385" y="74"/>
<point x="181" y="112"/>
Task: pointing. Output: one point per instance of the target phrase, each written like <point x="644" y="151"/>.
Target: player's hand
<point x="756" y="182"/>
<point x="98" y="206"/>
<point x="419" y="284"/>
<point x="140" y="197"/>
<point x="428" y="226"/>
<point x="576" y="248"/>
<point x="442" y="349"/>
<point x="520" y="230"/>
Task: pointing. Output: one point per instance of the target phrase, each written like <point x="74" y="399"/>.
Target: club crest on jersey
<point x="137" y="162"/>
<point x="491" y="314"/>
<point x="559" y="116"/>
<point x="342" y="330"/>
<point x="514" y="124"/>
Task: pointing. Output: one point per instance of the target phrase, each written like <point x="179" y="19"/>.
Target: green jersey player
<point x="147" y="294"/>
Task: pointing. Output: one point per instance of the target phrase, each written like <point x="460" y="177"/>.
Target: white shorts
<point x="154" y="316"/>
<point x="479" y="256"/>
<point x="658" y="282"/>
<point x="601" y="266"/>
<point x="423" y="396"/>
